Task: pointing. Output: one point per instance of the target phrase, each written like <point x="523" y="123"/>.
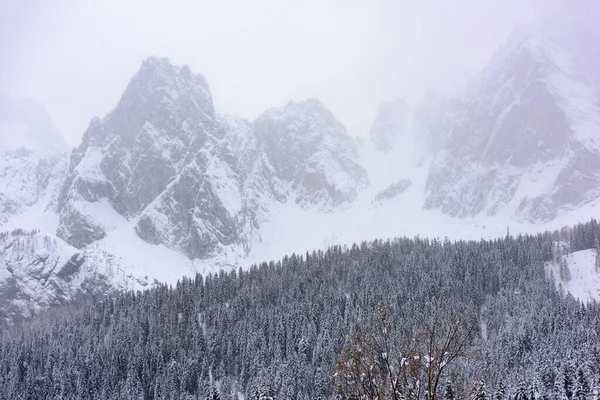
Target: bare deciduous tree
<point x="375" y="365"/>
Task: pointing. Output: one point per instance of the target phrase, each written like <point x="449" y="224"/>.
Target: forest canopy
<point x="427" y="318"/>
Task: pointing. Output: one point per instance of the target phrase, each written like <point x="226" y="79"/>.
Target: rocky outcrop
<point x="392" y="191"/>
<point x="38" y="271"/>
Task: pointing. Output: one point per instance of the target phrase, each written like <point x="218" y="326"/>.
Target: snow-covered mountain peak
<point x="157" y="76"/>
<point x="310" y="152"/>
<point x="165" y="96"/>
<point x="164" y="128"/>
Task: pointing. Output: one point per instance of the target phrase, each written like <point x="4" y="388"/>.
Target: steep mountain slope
<point x="151" y="141"/>
<point x="30" y="183"/>
<point x="522" y="138"/>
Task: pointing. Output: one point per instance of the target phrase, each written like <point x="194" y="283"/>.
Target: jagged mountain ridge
<point x="168" y="163"/>
<point x="168" y="173"/>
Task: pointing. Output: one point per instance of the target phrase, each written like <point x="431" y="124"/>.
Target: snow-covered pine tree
<point x="500" y="391"/>
<point x="568" y="380"/>
<point x="449" y="390"/>
<point x="582" y="388"/>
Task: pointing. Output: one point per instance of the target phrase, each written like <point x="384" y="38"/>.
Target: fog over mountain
<point x="164" y="169"/>
<point x="167" y="185"/>
<point x="255" y="56"/>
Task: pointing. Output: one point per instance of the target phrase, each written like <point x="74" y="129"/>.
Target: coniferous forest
<point x="400" y="319"/>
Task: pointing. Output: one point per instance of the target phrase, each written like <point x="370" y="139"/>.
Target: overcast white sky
<point x="76" y="57"/>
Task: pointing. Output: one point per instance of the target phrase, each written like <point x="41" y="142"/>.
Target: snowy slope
<point x="584" y="282"/>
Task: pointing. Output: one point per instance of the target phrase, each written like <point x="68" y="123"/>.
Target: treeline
<point x="286" y="329"/>
<point x="580" y="237"/>
<point x="24" y="243"/>
<point x="18" y="232"/>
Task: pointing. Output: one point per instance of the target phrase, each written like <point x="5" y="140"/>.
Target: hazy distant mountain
<point x="32" y="157"/>
<point x="522" y="138"/>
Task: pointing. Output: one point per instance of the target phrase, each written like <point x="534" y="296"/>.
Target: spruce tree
<point x="568" y="376"/>
<point x="501" y="391"/>
<point x="449" y="391"/>
<point x="582" y="390"/>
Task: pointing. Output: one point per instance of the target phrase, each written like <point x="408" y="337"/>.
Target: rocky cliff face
<point x="29" y="180"/>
